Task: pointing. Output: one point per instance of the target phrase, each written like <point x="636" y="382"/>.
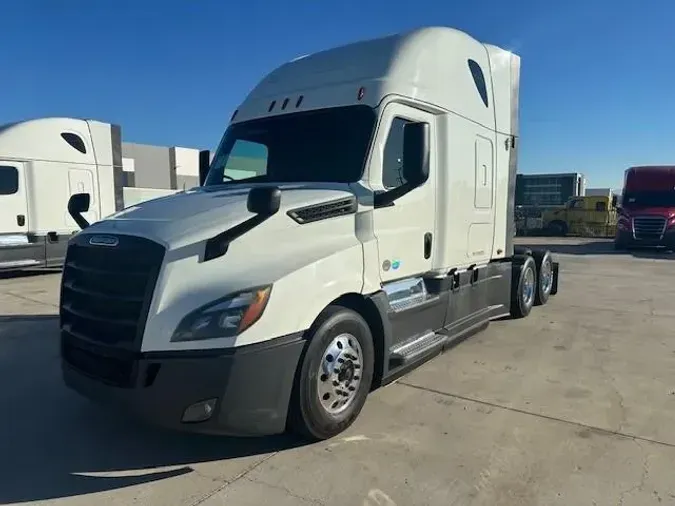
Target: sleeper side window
<point x="75" y="141"/>
<point x="479" y="80"/>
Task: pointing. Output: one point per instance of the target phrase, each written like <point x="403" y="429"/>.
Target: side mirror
<point x="264" y="201"/>
<point x="78" y="203"/>
<point x="204" y="164"/>
<point x="614" y="200"/>
<point x="416" y="153"/>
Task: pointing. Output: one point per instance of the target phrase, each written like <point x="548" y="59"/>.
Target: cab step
<point x="414" y="348"/>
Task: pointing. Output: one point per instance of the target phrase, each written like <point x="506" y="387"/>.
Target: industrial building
<point x="159" y="167"/>
<point x="545" y="190"/>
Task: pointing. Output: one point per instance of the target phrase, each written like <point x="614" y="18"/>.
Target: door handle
<point x="20" y="220"/>
<point x="427" y="245"/>
<point x="53" y="236"/>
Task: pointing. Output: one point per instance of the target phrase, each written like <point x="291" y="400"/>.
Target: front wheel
<point x="335" y="375"/>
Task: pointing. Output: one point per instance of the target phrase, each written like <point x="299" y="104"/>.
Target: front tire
<point x="335" y="375"/>
<point x="523" y="287"/>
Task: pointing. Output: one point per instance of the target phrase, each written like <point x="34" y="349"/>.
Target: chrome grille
<point x="106" y="291"/>
<point x="649" y="227"/>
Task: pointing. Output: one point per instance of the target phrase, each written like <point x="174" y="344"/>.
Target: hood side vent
<point x="324" y="211"/>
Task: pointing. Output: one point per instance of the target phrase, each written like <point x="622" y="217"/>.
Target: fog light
<point x="199" y="411"/>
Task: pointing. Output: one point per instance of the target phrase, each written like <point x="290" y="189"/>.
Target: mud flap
<point x="554" y="286"/>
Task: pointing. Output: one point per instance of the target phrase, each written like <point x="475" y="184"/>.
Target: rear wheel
<point x="544" y="263"/>
<point x="335" y="375"/>
<point x="523" y="286"/>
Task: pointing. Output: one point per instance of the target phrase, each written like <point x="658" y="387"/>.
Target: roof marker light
<point x="269" y="109"/>
<point x="234" y="114"/>
<point x="285" y="103"/>
<point x="300" y="98"/>
<point x="361" y="93"/>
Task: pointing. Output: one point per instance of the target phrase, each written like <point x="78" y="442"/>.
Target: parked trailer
<point x="373" y="227"/>
<point x="42" y="163"/>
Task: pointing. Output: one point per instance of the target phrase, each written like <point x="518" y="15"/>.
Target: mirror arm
<point x="79" y="219"/>
<point x="217" y="245"/>
<point x="387" y="198"/>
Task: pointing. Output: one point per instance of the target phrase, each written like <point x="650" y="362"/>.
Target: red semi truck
<point x="647" y="210"/>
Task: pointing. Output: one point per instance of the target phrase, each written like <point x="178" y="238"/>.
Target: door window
<point x="9" y="180"/>
<point x="392" y="160"/>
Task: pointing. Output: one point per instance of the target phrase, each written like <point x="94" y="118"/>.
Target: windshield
<point x="649" y="199"/>
<point x="328" y="145"/>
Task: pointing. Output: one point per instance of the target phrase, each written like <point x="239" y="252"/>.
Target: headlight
<point x="225" y="317"/>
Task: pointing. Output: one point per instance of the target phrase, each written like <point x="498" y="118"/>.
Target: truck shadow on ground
<point x="600" y="247"/>
<point x="53" y="440"/>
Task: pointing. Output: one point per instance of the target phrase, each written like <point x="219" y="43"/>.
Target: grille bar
<point x="106" y="291"/>
<point x="649" y="227"/>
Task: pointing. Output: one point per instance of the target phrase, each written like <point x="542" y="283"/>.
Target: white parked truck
<point x="42" y="163"/>
<point x="356" y="220"/>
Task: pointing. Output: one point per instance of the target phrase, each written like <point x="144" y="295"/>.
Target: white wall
<point x="599" y="192"/>
<point x="133" y="196"/>
<point x="186" y="161"/>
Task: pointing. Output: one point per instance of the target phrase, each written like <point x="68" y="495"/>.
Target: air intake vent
<point x="324" y="211"/>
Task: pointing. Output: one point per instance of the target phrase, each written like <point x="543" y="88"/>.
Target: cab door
<point x="13" y="199"/>
<point x="404" y="229"/>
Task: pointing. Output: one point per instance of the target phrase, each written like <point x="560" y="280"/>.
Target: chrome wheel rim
<point x="339" y="375"/>
<point x="546" y="276"/>
<point x="528" y="287"/>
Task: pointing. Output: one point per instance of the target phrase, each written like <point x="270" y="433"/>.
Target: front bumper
<point x="252" y="385"/>
<point x="625" y="238"/>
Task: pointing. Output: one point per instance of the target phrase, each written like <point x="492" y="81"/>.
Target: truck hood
<point x="200" y="213"/>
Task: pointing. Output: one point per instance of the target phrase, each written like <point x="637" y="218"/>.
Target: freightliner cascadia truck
<point x="647" y="210"/>
<point x="42" y="163"/>
<point x="356" y="220"/>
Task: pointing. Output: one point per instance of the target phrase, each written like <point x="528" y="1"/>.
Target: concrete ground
<point x="574" y="405"/>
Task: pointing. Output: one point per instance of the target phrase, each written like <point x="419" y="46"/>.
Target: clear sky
<point x="596" y="86"/>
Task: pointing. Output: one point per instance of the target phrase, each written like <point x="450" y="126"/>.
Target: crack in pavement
<point x="600" y="430"/>
<point x="309" y="500"/>
<point x="226" y="483"/>
<point x="643" y="477"/>
<point x="29" y="299"/>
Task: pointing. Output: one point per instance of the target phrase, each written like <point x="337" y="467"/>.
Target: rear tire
<point x="523" y="286"/>
<point x="544" y="262"/>
<point x="335" y="375"/>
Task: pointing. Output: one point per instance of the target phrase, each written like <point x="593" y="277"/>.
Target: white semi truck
<point x="43" y="162"/>
<point x="356" y="220"/>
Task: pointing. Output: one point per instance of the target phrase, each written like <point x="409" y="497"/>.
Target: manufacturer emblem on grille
<point x="104" y="240"/>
